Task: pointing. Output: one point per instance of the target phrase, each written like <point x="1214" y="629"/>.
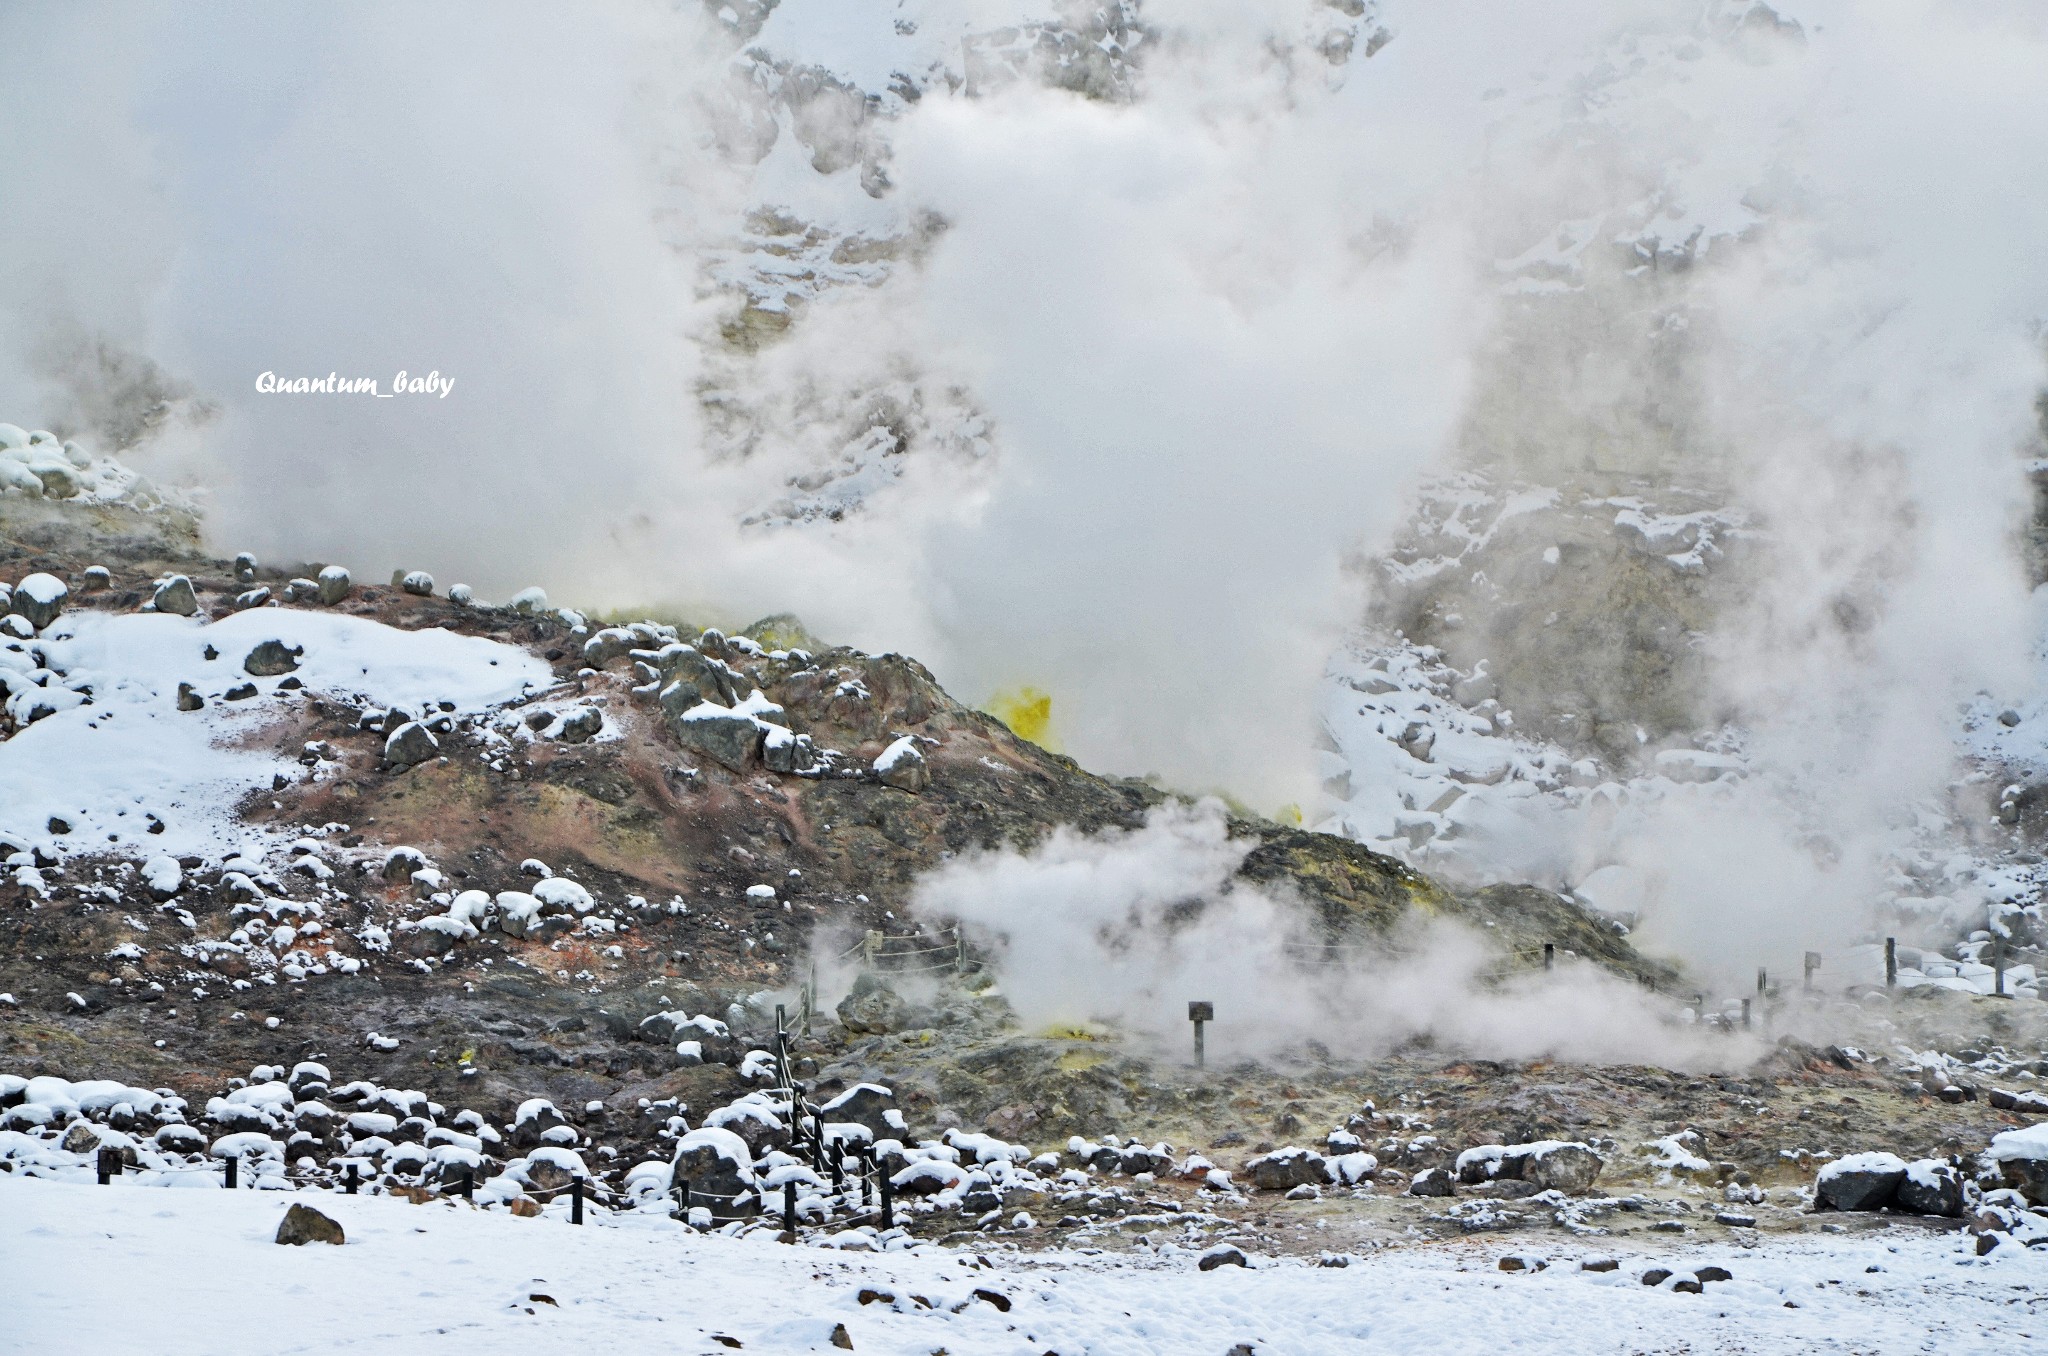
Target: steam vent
<point x="1011" y="676"/>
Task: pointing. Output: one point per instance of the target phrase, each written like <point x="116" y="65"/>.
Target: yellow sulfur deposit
<point x="1028" y="713"/>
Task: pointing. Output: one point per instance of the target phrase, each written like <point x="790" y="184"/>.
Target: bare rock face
<point x="302" y="1224"/>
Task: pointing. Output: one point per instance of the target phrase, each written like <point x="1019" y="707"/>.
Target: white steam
<point x="1128" y="928"/>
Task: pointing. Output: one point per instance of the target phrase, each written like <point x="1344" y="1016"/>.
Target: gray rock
<point x="689" y="677"/>
<point x="334" y="584"/>
<point x="1859" y="1182"/>
<point x="1932" y="1187"/>
<point x="38" y="599"/>
<point x="1286" y="1168"/>
<point x="715" y="1181"/>
<point x="1222" y="1255"/>
<point x="271" y="658"/>
<point x="175" y="596"/>
<point x="580" y="725"/>
<point x="1434" y="1182"/>
<point x="608" y="646"/>
<point x="783" y="750"/>
<point x="417" y="582"/>
<point x="409" y="745"/>
<point x="865" y="1104"/>
<point x="300" y="591"/>
<point x="97" y="578"/>
<point x="303" y="1224"/>
<point x="907" y="771"/>
<point x="873" y="1007"/>
<point x="1570" y="1168"/>
<point x="60" y="479"/>
<point x="726" y="737"/>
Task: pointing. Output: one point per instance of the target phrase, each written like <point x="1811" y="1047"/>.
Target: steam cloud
<point x="1126" y="928"/>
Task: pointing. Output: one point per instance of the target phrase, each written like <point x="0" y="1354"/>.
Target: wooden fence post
<point x="575" y="1200"/>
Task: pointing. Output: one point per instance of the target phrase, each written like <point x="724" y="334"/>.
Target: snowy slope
<point x="127" y="1268"/>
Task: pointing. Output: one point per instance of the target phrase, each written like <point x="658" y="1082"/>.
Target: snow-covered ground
<point x="127" y="1268"/>
<point x="119" y="763"/>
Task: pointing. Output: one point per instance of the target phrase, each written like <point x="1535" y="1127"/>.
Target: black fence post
<point x="682" y="1192"/>
<point x="353" y="1180"/>
<point x="576" y="1200"/>
<point x="106" y="1172"/>
<point x="888" y="1204"/>
<point x="1891" y="962"/>
<point x="1550" y="955"/>
<point x="233" y="1165"/>
<point x="468" y="1183"/>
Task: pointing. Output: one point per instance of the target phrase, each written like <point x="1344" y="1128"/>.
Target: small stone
<point x="526" y="1207"/>
<point x="333" y="584"/>
<point x="1656" y="1276"/>
<point x="1667" y="1226"/>
<point x="841" y="1338"/>
<point x="1735" y="1220"/>
<point x="97" y="578"/>
<point x="1688" y="1286"/>
<point x="271" y="658"/>
<point x="303" y="1224"/>
<point x="189" y="698"/>
<point x="1221" y="1256"/>
<point x="1714" y="1274"/>
<point x="240" y="692"/>
<point x="1600" y="1264"/>
<point x="176" y="597"/>
<point x="417" y="582"/>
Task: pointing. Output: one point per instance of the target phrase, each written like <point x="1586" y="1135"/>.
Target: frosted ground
<point x="78" y="1257"/>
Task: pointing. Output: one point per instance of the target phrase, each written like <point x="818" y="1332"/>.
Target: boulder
<point x="724" y="736"/>
<point x="1432" y="1182"/>
<point x="38" y="599"/>
<point x="1223" y="1255"/>
<point x="417" y="582"/>
<point x="1932" y="1186"/>
<point x="872" y="1007"/>
<point x="688" y="677"/>
<point x="720" y="1171"/>
<point x="272" y="658"/>
<point x="580" y="725"/>
<point x="333" y="584"/>
<point x="97" y="578"/>
<point x="902" y="765"/>
<point x="1570" y="1168"/>
<point x="865" y="1104"/>
<point x="409" y="745"/>
<point x="608" y="646"/>
<point x="60" y="479"/>
<point x="783" y="750"/>
<point x="2021" y="1157"/>
<point x="1859" y="1182"/>
<point x="174" y="595"/>
<point x="1284" y="1169"/>
<point x="303" y="1224"/>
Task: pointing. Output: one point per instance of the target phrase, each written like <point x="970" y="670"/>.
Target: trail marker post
<point x="575" y="1200"/>
<point x="1812" y="964"/>
<point x="353" y="1180"/>
<point x="1745" y="1014"/>
<point x="1199" y="1013"/>
<point x="1550" y="955"/>
<point x="1998" y="967"/>
<point x="1891" y="962"/>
